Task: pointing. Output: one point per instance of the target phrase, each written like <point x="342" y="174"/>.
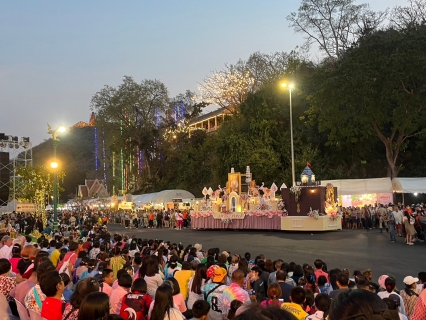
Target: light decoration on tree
<point x="228" y="88"/>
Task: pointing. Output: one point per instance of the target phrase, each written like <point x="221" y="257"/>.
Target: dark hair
<point x="139" y="285"/>
<point x="186" y="265"/>
<point x="355" y="302"/>
<point x="318" y="264"/>
<point x="49" y="282"/>
<point x="298" y="295"/>
<point x="125" y="280"/>
<point x="65" y="278"/>
<point x="281" y="275"/>
<point x="243" y="266"/>
<point x="16" y="251"/>
<point x="197" y="281"/>
<point x="257" y="269"/>
<point x="152" y="268"/>
<point x="43" y="268"/>
<point x="163" y="302"/>
<point x="200" y="308"/>
<point x="83" y="288"/>
<point x="322" y="303"/>
<point x="309" y="299"/>
<point x="5" y="266"/>
<point x="298" y="270"/>
<point x="176" y="287"/>
<point x="322" y="280"/>
<point x="95" y="306"/>
<point x="73" y="246"/>
<point x="343" y="279"/>
<point x="235" y="304"/>
<point x="271" y="313"/>
<point x="390" y="284"/>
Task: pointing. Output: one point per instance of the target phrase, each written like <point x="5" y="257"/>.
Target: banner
<point x="25" y="207"/>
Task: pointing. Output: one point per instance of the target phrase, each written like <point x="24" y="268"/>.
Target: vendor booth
<point x="166" y="199"/>
<point x="409" y="185"/>
<point x="360" y="192"/>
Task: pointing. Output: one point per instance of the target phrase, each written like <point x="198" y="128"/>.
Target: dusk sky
<point x="56" y="54"/>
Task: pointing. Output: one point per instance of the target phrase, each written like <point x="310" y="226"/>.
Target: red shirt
<point x="319" y="273"/>
<point x="135" y="303"/>
<point x="52" y="309"/>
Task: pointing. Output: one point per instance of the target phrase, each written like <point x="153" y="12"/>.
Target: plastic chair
<point x="23" y="312"/>
<point x="35" y="315"/>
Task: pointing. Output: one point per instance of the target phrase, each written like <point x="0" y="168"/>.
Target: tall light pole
<point x="290" y="88"/>
<point x="54" y="165"/>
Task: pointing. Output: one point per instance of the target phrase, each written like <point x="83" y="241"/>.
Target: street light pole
<point x="291" y="138"/>
<point x="55" y="166"/>
<point x="55" y="189"/>
<point x="293" y="176"/>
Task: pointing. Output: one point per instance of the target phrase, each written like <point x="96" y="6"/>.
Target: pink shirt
<point x="179" y="302"/>
<point x="106" y="288"/>
<point x="115" y="299"/>
<point x="14" y="263"/>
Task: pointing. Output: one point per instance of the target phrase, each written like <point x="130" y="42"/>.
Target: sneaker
<point x="392" y="241"/>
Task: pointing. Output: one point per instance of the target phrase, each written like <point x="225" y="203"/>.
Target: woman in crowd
<point x="117" y="262"/>
<point x="178" y="300"/>
<point x="70" y="257"/>
<point x="195" y="284"/>
<point x="83" y="288"/>
<point x="172" y="266"/>
<point x="274" y="293"/>
<point x="360" y="304"/>
<point x="152" y="277"/>
<point x="94" y="306"/>
<point x="138" y="300"/>
<point x="16" y="257"/>
<point x="322" y="306"/>
<point x="390" y="287"/>
<point x="25" y="262"/>
<point x="163" y="306"/>
<point x="297" y="273"/>
<point x="234" y="264"/>
<point x="408" y="221"/>
<point x="6" y="283"/>
<point x="124" y="285"/>
<point x="410" y="295"/>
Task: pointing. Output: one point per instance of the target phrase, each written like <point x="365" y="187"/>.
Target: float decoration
<point x="313" y="214"/>
<point x="296" y="191"/>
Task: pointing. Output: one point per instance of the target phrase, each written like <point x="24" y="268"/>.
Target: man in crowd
<point x="342" y="283"/>
<point x="285" y="287"/>
<point x="295" y="307"/>
<point x="234" y="291"/>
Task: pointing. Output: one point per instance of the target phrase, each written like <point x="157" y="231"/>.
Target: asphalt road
<point x="352" y="249"/>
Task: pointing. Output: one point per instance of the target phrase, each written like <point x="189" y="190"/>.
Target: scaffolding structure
<point x="20" y="155"/>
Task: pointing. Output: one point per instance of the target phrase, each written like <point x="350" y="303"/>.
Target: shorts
<point x="179" y="223"/>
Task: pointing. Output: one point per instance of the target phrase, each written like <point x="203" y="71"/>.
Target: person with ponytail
<point x="322" y="306"/>
<point x="410" y="294"/>
<point x="274" y="293"/>
<point x="390" y="286"/>
<point x="172" y="266"/>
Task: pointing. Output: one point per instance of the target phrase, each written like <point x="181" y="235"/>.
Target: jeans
<point x="392" y="231"/>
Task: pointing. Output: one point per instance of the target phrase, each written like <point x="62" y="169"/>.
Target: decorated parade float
<point x="303" y="207"/>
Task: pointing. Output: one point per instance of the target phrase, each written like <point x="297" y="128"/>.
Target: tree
<point x="334" y="25"/>
<point x="409" y="16"/>
<point x="228" y="88"/>
<point x="378" y="89"/>
<point x="36" y="182"/>
<point x="130" y="116"/>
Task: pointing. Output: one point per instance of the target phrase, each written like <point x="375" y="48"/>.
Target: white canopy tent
<point x="162" y="197"/>
<point x="409" y="185"/>
<point x="361" y="186"/>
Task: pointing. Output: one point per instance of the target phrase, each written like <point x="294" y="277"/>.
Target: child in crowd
<point x="200" y="310"/>
<point x="138" y="300"/>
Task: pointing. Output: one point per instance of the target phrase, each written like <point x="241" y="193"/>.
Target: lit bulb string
<point x="104" y="156"/>
<point x="96" y="150"/>
<point x="121" y="158"/>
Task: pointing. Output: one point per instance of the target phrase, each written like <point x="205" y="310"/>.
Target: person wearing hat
<point x="213" y="291"/>
<point x="393" y="303"/>
<point x="199" y="247"/>
<point x="410" y="294"/>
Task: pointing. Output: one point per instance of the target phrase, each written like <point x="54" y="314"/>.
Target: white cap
<point x="410" y="280"/>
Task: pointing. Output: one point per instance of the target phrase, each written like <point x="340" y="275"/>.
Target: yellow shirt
<point x="295" y="309"/>
<point x="182" y="278"/>
<point x="54" y="257"/>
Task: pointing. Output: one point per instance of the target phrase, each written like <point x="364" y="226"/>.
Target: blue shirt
<point x="67" y="294"/>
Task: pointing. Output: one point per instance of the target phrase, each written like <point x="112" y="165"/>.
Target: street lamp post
<point x="54" y="165"/>
<point x="293" y="176"/>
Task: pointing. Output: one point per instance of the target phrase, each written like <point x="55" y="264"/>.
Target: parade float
<point x="304" y="207"/>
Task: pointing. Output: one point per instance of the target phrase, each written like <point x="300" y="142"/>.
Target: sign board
<point x="25" y="207"/>
<point x="232" y="216"/>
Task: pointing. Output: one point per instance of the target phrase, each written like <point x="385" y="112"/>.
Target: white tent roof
<point x="361" y="186"/>
<point x="409" y="185"/>
<point x="162" y="196"/>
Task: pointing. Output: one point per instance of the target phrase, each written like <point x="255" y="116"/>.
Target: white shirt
<point x="385" y="294"/>
<point x="319" y="315"/>
<point x="6" y="252"/>
<point x="398" y="216"/>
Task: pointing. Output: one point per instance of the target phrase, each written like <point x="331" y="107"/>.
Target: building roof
<point x="162" y="197"/>
<point x="209" y="115"/>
